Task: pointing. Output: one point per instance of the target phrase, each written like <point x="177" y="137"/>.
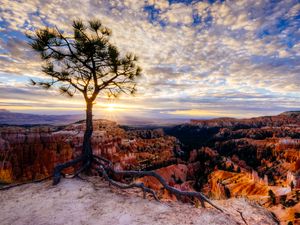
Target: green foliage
<point x="227" y="192"/>
<point x="292" y="185"/>
<point x="231" y="168"/>
<point x="283" y="199"/>
<point x="290" y="203"/>
<point x="84" y="61"/>
<point x="272" y="197"/>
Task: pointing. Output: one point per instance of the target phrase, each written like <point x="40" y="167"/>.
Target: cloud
<point x="191" y="53"/>
<point x="178" y="14"/>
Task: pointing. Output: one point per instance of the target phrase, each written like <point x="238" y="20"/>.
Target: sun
<point x="111" y="107"/>
<point x="110" y="111"/>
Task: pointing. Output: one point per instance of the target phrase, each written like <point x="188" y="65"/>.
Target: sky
<point x="200" y="59"/>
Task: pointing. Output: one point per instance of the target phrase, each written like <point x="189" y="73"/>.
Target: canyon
<point x="29" y="153"/>
<point x="225" y="158"/>
<point x="257" y="158"/>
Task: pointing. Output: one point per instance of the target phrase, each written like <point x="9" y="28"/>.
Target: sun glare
<point x="111" y="107"/>
<point x="110" y="111"/>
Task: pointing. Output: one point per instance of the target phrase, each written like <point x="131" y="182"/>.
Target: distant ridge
<point x="286" y="118"/>
<point x="291" y="113"/>
<point x="12" y="118"/>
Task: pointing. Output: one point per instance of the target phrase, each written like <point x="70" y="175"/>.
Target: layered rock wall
<point x="28" y="153"/>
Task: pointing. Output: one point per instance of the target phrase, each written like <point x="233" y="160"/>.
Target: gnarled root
<point x="57" y="170"/>
<point x="105" y="166"/>
<point x="102" y="171"/>
<point x="80" y="170"/>
<point x="20" y="184"/>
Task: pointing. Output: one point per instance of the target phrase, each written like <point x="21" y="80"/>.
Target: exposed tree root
<point x="108" y="168"/>
<point x="276" y="220"/>
<point x="102" y="171"/>
<point x="6" y="187"/>
<point x="81" y="169"/>
<point x="57" y="170"/>
<point x="105" y="167"/>
<point x="241" y="214"/>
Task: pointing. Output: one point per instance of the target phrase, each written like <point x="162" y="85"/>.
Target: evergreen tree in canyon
<point x="85" y="62"/>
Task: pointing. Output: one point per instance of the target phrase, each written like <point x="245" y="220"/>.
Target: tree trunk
<point x="87" y="150"/>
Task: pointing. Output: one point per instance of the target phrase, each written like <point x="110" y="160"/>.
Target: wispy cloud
<point x="214" y="57"/>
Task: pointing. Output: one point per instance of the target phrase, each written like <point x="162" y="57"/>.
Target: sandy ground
<point x="79" y="202"/>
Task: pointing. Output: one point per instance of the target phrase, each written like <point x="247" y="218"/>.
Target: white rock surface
<point x="74" y="202"/>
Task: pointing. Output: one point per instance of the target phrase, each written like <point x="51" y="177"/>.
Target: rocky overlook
<point x="95" y="203"/>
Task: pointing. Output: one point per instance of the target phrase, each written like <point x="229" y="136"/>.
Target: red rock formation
<point x="224" y="184"/>
<point x="172" y="174"/>
<point x="6" y="174"/>
<point x="32" y="153"/>
<point x="175" y="175"/>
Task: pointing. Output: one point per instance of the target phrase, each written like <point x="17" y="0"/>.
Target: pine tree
<point x="84" y="62"/>
<point x="272" y="197"/>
